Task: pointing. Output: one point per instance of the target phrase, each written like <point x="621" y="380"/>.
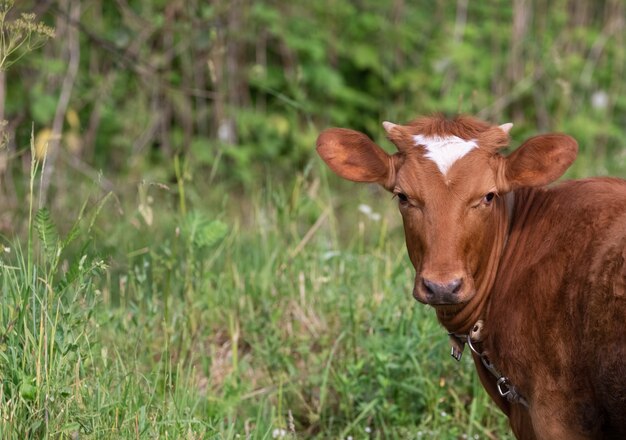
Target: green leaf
<point x="202" y="232"/>
<point x="28" y="391"/>
<point x="212" y="233"/>
<point x="47" y="232"/>
<point x="43" y="109"/>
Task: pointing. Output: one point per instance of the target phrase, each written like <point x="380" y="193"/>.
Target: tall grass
<point x="259" y="316"/>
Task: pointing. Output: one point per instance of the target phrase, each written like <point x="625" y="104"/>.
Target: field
<point x="278" y="319"/>
<point x="175" y="260"/>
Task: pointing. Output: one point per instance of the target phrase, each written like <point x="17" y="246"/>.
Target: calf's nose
<point x="442" y="292"/>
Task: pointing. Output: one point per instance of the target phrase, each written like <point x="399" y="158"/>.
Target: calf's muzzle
<point x="441" y="292"/>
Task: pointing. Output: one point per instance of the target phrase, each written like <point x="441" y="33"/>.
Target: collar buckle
<point x="457" y="345"/>
<point x="505" y="388"/>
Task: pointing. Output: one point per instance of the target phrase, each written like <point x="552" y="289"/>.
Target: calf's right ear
<point x="354" y="156"/>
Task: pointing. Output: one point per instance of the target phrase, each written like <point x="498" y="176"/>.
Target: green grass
<point x="283" y="309"/>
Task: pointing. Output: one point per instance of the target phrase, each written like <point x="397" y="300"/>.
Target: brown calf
<point x="532" y="278"/>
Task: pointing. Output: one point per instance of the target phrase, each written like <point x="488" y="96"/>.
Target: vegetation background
<point x="176" y="262"/>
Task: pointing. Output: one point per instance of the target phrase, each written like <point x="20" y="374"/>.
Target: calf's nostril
<point x="429" y="286"/>
<point x="456" y="285"/>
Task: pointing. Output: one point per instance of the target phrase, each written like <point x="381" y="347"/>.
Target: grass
<point x="261" y="316"/>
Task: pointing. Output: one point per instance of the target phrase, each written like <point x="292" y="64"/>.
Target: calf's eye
<point x="488" y="198"/>
<point x="402" y="197"/>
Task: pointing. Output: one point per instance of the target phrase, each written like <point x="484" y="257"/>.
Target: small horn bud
<point x="506" y="127"/>
<point x="388" y="126"/>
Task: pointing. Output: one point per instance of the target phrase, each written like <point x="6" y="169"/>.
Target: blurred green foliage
<point x="242" y="88"/>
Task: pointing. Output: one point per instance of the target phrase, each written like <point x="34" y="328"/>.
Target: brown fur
<point x="549" y="281"/>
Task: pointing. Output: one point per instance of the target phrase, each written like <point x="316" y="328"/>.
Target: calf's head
<point x="450" y="183"/>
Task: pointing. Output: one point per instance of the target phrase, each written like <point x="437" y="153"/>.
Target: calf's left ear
<point x="538" y="161"/>
<point x="354" y="156"/>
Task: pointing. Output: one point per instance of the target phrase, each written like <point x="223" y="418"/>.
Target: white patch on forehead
<point x="445" y="150"/>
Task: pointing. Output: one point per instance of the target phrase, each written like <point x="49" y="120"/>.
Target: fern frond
<point x="202" y="232"/>
<point x="47" y="232"/>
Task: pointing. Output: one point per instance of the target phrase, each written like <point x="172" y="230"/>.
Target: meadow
<point x="283" y="312"/>
<point x="268" y="317"/>
<point x="175" y="260"/>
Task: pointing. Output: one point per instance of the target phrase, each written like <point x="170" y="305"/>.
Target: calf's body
<point x="543" y="269"/>
<point x="556" y="322"/>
